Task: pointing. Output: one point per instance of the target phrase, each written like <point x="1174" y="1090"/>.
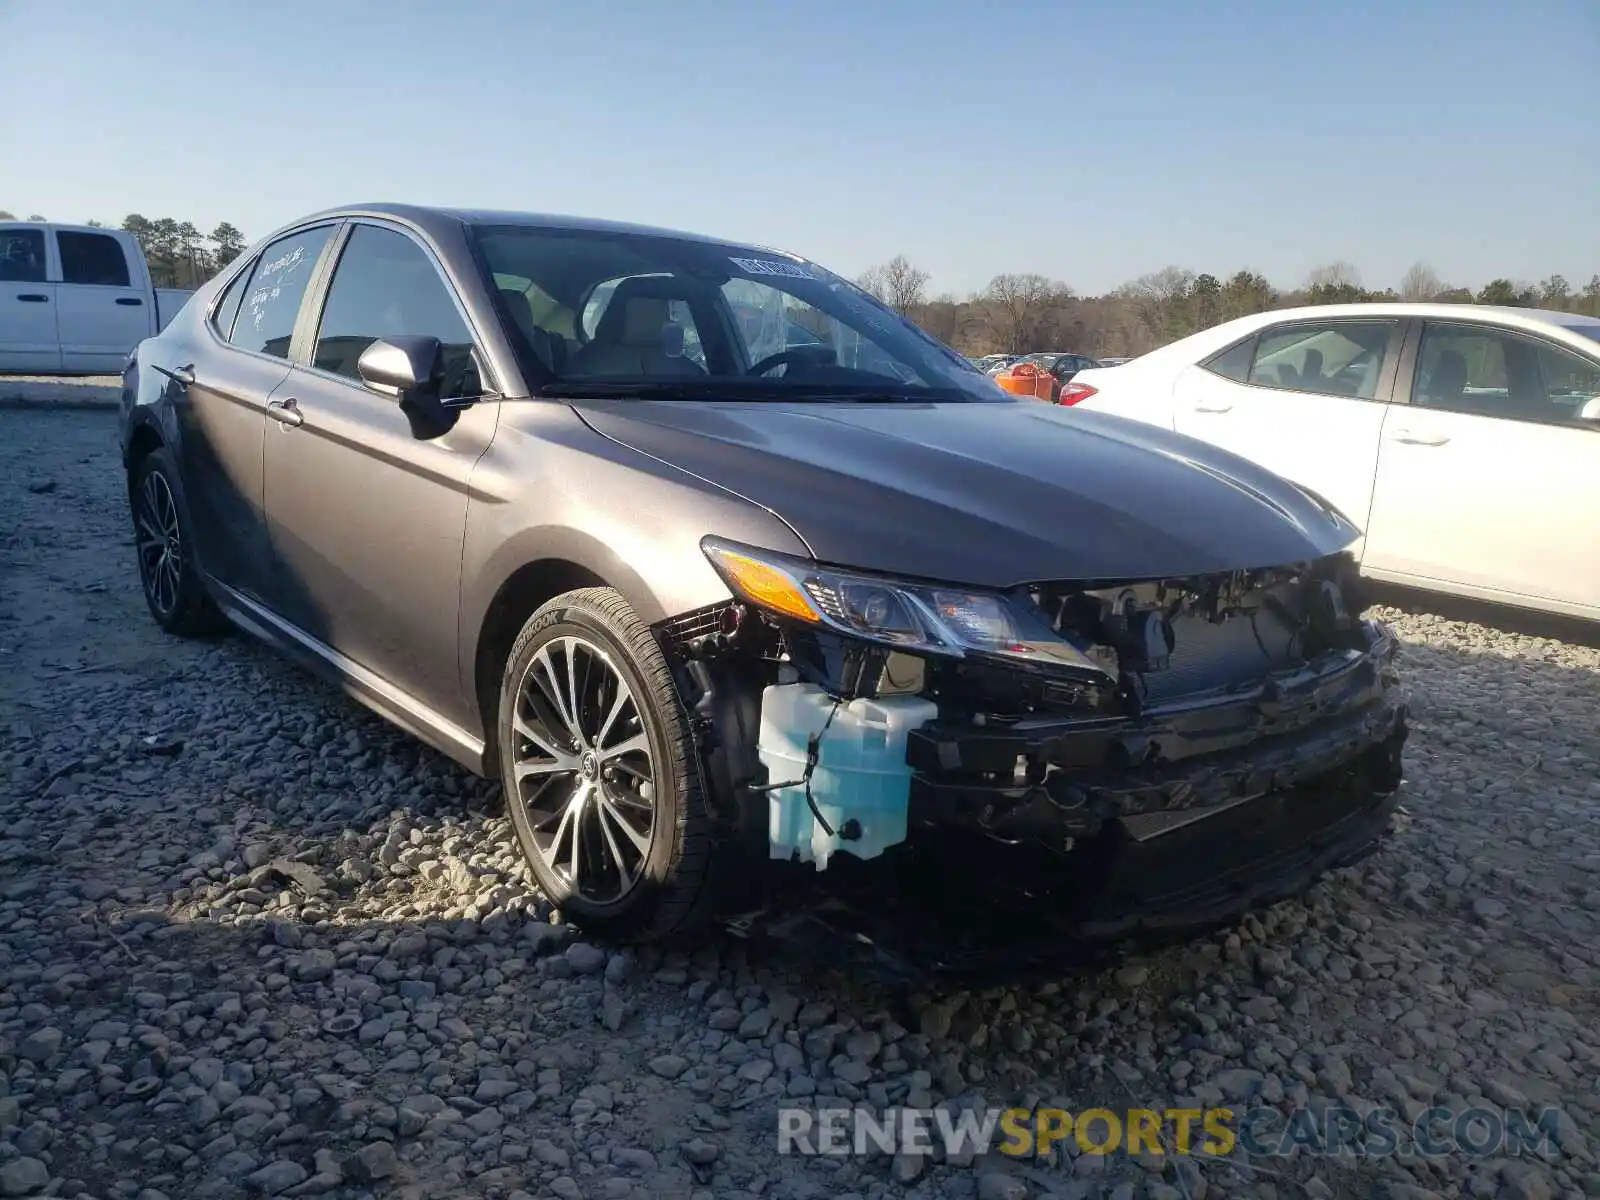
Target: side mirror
<point x="400" y="364"/>
<point x="1590" y="412"/>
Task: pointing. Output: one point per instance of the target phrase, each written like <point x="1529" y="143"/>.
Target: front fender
<point x="551" y="492"/>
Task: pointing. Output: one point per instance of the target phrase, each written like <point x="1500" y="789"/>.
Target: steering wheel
<point x="780" y="359"/>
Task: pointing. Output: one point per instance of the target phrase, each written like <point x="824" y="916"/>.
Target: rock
<point x="585" y="959"/>
<point x="632" y="1159"/>
<point x="756" y="1023"/>
<point x="906" y="1168"/>
<point x="313" y="966"/>
<point x="669" y="1066"/>
<point x="700" y="1152"/>
<point x="1269" y="963"/>
<point x="1132" y="976"/>
<point x="998" y="1185"/>
<point x="1239" y="1083"/>
<point x="40" y="1046"/>
<point x="255" y="854"/>
<point x="275" y="1177"/>
<point x="23" y="1177"/>
<point x="376" y="1160"/>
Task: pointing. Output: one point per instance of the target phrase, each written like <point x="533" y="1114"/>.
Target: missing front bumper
<point x="1056" y="780"/>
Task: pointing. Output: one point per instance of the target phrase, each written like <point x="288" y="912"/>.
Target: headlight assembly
<point x="916" y="618"/>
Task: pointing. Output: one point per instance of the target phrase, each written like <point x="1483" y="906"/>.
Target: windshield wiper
<point x="594" y="390"/>
<point x="807" y="395"/>
<point x="728" y="389"/>
<point x="740" y="389"/>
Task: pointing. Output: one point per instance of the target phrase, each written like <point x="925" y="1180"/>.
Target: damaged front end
<point x="1097" y="759"/>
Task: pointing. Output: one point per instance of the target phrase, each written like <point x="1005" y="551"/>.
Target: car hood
<point x="991" y="494"/>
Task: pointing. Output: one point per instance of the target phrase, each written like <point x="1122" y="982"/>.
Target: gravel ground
<point x="58" y="391"/>
<point x="253" y="942"/>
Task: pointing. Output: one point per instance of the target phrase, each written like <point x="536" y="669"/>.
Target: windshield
<point x="1586" y="329"/>
<point x="604" y="309"/>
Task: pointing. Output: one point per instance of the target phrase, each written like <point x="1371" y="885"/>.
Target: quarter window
<point x="385" y="284"/>
<point x="271" y="301"/>
<point x="1492" y="373"/>
<point x="1329" y="358"/>
<point x="1234" y="362"/>
<point x="92" y="258"/>
<point x="228" y="307"/>
<point x="22" y="255"/>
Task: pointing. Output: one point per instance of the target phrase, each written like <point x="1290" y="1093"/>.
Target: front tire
<point x="174" y="589"/>
<point x="599" y="771"/>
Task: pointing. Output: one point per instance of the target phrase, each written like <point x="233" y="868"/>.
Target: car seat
<point x="635" y="336"/>
<point x="1446" y="381"/>
<point x="549" y="348"/>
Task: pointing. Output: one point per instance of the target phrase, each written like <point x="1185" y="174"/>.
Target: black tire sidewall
<point x="191" y="601"/>
<point x="672" y="790"/>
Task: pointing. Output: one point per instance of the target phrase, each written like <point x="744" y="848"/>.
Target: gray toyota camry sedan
<point x="712" y="559"/>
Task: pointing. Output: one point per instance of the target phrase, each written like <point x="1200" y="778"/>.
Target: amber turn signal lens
<point x="766" y="586"/>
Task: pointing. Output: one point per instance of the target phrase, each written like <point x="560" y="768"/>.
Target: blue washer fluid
<point x="861" y="771"/>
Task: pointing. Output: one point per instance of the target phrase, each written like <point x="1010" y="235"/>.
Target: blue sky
<point x="1090" y="141"/>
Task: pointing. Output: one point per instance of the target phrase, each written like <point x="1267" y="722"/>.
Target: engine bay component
<point x="1059" y="727"/>
<point x="838" y="776"/>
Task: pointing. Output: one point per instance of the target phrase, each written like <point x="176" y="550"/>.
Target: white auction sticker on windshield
<point x="767" y="266"/>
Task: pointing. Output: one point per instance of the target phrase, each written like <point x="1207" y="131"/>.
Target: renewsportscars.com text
<point x="1262" y="1132"/>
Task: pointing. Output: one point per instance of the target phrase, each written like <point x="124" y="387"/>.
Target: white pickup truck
<point x="76" y="299"/>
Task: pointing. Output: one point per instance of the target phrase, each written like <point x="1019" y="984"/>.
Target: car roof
<point x="1505" y="313"/>
<point x="1218" y="337"/>
<point x="58" y="226"/>
<point x="433" y="219"/>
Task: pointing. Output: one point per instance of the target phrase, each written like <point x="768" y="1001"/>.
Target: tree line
<point x="1013" y="313"/>
<point x="180" y="256"/>
<point x="1021" y="313"/>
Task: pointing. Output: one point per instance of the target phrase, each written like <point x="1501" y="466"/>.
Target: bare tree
<point x="1014" y="305"/>
<point x="941" y="317"/>
<point x="873" y="283"/>
<point x="1420" y="283"/>
<point x="898" y="283"/>
<point x="1334" y="276"/>
<point x="906" y="283"/>
<point x="1160" y="299"/>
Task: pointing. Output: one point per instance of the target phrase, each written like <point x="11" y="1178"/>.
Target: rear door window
<point x="1490" y="372"/>
<point x="92" y="258"/>
<point x="271" y="301"/>
<point x="22" y="255"/>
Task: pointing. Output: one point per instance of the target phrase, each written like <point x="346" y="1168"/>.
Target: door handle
<point x="130" y="301"/>
<point x="1213" y="408"/>
<point x="33" y="298"/>
<point x="182" y="376"/>
<point x="1416" y="439"/>
<point x="286" y="412"/>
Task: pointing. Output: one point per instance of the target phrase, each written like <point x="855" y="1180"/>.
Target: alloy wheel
<point x="160" y="542"/>
<point x="582" y="768"/>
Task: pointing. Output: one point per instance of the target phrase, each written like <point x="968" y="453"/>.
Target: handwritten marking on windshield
<point x="765" y="266"/>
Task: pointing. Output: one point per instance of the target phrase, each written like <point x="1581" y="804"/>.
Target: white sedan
<point x="1463" y="439"/>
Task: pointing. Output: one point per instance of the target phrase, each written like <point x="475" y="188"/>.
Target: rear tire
<point x="174" y="588"/>
<point x="600" y="773"/>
